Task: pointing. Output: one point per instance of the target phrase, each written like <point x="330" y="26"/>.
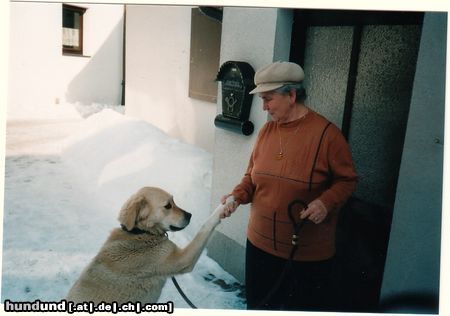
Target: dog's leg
<point x="183" y="260"/>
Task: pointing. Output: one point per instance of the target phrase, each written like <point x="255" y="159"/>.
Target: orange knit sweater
<point x="317" y="163"/>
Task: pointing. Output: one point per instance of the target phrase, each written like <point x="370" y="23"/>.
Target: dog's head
<point x="153" y="209"/>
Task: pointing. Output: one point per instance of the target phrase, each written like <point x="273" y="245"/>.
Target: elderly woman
<point x="298" y="155"/>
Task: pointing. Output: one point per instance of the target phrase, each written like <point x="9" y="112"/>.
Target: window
<point x="72" y="20"/>
<point x="206" y="30"/>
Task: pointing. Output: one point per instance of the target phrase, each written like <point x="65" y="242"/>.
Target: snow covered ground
<point x="65" y="181"/>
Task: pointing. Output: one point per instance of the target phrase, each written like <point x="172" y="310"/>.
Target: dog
<point x="136" y="260"/>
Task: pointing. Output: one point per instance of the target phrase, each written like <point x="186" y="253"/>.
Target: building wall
<point x="267" y="38"/>
<point x="41" y="77"/>
<point x="157" y="74"/>
<point x="412" y="265"/>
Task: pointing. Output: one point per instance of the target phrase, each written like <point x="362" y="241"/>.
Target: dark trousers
<point x="305" y="287"/>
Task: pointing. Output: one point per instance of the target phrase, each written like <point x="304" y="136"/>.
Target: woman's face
<point x="279" y="106"/>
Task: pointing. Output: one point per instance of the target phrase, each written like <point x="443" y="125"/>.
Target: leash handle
<point x="291" y="207"/>
<point x="296" y="224"/>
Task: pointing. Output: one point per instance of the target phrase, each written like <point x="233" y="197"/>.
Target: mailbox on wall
<point x="237" y="81"/>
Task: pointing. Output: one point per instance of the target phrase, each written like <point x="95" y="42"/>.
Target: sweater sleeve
<point x="343" y="174"/>
<point x="243" y="192"/>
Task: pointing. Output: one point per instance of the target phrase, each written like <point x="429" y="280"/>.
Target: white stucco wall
<point x="157" y="74"/>
<point x="258" y="37"/>
<point x="267" y="38"/>
<point x="41" y="77"/>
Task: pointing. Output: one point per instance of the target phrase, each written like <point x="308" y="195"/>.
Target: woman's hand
<point x="316" y="212"/>
<point x="230" y="205"/>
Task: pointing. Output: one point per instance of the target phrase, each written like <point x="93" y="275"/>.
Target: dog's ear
<point x="130" y="210"/>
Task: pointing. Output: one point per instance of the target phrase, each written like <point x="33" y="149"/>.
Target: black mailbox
<point x="237" y="82"/>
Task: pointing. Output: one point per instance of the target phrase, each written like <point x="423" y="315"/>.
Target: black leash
<point x="182" y="293"/>
<point x="296" y="228"/>
<point x="137" y="231"/>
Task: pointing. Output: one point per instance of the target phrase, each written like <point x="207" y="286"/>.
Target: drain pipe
<point x="124" y="27"/>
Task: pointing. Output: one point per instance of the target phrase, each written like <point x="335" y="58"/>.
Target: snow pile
<point x="116" y="156"/>
<point x="61" y="203"/>
<point x="88" y="110"/>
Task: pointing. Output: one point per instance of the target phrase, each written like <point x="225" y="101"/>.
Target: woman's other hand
<point x="316" y="212"/>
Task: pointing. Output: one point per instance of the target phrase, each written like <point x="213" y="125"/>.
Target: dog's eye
<point x="168" y="206"/>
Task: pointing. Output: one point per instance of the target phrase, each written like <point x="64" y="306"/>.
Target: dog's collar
<point x="138" y="231"/>
<point x="134" y="231"/>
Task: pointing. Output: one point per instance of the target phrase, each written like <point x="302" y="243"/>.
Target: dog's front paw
<point x="217" y="214"/>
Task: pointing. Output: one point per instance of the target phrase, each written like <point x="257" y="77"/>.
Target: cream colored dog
<point x="135" y="261"/>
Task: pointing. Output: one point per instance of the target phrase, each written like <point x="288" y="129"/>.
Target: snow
<point x="66" y="178"/>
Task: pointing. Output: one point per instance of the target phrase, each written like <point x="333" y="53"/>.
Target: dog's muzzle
<point x="187" y="219"/>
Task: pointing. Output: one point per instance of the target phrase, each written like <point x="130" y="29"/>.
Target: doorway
<point x="359" y="72"/>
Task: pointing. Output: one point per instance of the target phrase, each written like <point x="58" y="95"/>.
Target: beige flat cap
<point x="276" y="75"/>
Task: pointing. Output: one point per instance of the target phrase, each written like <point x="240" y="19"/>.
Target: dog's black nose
<point x="188" y="215"/>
